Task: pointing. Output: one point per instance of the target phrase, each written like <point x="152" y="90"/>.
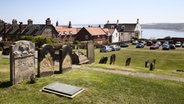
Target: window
<point x="112" y="26"/>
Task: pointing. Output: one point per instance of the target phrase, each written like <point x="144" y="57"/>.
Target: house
<point x="12" y="32"/>
<point x="112" y="35"/>
<point x="126" y="30"/>
<point x="67" y="33"/>
<point x="96" y="34"/>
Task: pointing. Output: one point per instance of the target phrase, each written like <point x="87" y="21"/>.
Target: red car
<point x="154" y="46"/>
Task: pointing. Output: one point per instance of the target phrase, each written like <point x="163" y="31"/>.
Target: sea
<point x="147" y="33"/>
<point x="159" y="33"/>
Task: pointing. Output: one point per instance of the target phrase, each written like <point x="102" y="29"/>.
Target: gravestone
<point x="6" y="51"/>
<point x="79" y="58"/>
<point x="128" y="61"/>
<point x="45" y="60"/>
<point x="112" y="59"/>
<point x="90" y="52"/>
<point x="103" y="60"/>
<point x="146" y="63"/>
<point x="22" y="61"/>
<point x="154" y="61"/>
<point x="65" y="62"/>
<point x="152" y="66"/>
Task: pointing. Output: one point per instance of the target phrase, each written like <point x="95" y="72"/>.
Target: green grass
<point x="100" y="88"/>
<point x="105" y="88"/>
<point x="167" y="62"/>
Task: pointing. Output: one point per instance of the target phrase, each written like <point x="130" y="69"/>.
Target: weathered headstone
<point x="90" y="52"/>
<point x="45" y="60"/>
<point x="65" y="58"/>
<point x="112" y="59"/>
<point x="146" y="63"/>
<point x="79" y="58"/>
<point x="152" y="66"/>
<point x="22" y="61"/>
<point x="6" y="51"/>
<point x="103" y="60"/>
<point x="154" y="61"/>
<point x="128" y="61"/>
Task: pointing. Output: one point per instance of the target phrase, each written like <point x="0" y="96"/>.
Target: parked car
<point x="178" y="44"/>
<point x="140" y="45"/>
<point x="165" y="47"/>
<point x="154" y="46"/>
<point x="159" y="43"/>
<point x="165" y="43"/>
<point x="182" y="45"/>
<point x="124" y="44"/>
<point x="144" y="42"/>
<point x="149" y="43"/>
<point x="105" y="48"/>
<point x="115" y="47"/>
<point x="172" y="46"/>
<point x="135" y="42"/>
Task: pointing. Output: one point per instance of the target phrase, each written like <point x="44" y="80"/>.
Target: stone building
<point x="12" y="32"/>
<point x="126" y="30"/>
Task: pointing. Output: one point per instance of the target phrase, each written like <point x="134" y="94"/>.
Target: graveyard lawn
<point x="167" y="62"/>
<point x="100" y="88"/>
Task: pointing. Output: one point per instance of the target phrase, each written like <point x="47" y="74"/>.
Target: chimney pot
<point x="29" y="22"/>
<point x="48" y="21"/>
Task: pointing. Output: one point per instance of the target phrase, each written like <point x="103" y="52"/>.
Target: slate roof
<point x="35" y="29"/>
<point x="126" y="27"/>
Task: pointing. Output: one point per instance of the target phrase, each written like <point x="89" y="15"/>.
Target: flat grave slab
<point x="63" y="89"/>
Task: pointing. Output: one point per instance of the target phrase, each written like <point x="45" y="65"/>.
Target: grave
<point x="45" y="60"/>
<point x="103" y="60"/>
<point x="128" y="61"/>
<point x="152" y="66"/>
<point x="79" y="58"/>
<point x="22" y="61"/>
<point x="146" y="63"/>
<point x="63" y="89"/>
<point x="65" y="61"/>
<point x="112" y="59"/>
<point x="90" y="52"/>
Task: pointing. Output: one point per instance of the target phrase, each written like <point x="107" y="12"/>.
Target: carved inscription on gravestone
<point x="22" y="64"/>
<point x="46" y="61"/>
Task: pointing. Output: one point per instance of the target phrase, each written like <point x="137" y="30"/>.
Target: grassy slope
<point x="100" y="88"/>
<point x="167" y="62"/>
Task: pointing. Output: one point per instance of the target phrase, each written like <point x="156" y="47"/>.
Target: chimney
<point x="137" y="20"/>
<point x="29" y="22"/>
<point x="108" y="22"/>
<point x="21" y="27"/>
<point x="70" y="24"/>
<point x="117" y="22"/>
<point x="48" y="21"/>
<point x="57" y="23"/>
<point x="14" y="21"/>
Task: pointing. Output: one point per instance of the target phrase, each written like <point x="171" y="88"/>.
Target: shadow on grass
<point x="5" y="84"/>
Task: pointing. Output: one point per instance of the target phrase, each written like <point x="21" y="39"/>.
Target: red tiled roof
<point x="95" y="31"/>
<point x="66" y="30"/>
<point x="108" y="31"/>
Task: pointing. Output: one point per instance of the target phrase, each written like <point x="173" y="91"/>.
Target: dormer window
<point x="70" y="32"/>
<point x="112" y="27"/>
<point x="122" y="28"/>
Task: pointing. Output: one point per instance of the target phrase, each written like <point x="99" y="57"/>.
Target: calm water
<point x="156" y="33"/>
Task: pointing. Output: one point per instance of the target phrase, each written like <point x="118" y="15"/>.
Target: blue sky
<point x="93" y="11"/>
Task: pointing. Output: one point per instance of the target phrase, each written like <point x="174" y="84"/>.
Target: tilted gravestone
<point x="103" y="60"/>
<point x="65" y="61"/>
<point x="22" y="61"/>
<point x="46" y="61"/>
<point x="90" y="52"/>
<point x="128" y="61"/>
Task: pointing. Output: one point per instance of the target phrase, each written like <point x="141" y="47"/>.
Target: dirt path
<point x="138" y="74"/>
